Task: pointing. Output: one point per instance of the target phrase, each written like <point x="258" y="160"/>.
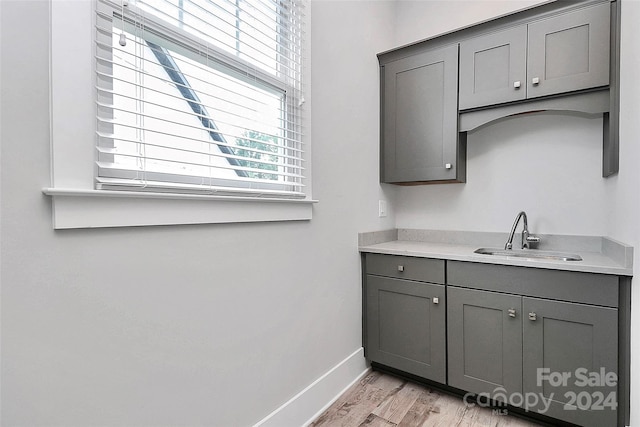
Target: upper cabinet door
<point x="569" y="52"/>
<point x="420" y="117"/>
<point x="493" y="68"/>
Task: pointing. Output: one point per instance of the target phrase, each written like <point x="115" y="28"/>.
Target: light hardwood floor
<point x="381" y="400"/>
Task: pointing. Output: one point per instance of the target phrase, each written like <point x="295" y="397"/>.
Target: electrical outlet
<point x="382" y="208"/>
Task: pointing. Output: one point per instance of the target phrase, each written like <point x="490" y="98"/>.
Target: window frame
<point x="75" y="201"/>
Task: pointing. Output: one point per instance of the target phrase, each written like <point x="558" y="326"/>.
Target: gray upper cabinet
<point x="493" y="68"/>
<point x="559" y="54"/>
<point x="420" y="118"/>
<point x="569" y="52"/>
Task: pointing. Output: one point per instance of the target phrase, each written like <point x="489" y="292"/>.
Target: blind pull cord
<point x="123" y="37"/>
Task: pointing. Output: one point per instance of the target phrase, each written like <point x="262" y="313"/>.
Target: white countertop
<point x="592" y="261"/>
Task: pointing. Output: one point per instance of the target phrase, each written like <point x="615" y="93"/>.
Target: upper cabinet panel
<point x="564" y="53"/>
<point x="569" y="52"/>
<point x="493" y="68"/>
<point x="420" y="117"/>
<point x="562" y="56"/>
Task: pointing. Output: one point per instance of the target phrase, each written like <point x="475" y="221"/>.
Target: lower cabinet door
<point x="405" y="322"/>
<point x="485" y="342"/>
<point x="570" y="361"/>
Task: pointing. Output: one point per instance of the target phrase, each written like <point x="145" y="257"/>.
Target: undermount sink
<point x="529" y="253"/>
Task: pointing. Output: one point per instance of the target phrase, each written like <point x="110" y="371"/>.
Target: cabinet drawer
<point x="587" y="288"/>
<point x="412" y="268"/>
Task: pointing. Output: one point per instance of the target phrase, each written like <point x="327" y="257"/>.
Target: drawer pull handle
<point x="436" y="300"/>
<point x="512" y="312"/>
<point x="533" y="316"/>
<point x="401" y="268"/>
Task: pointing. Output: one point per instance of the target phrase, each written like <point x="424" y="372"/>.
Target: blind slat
<point x="244" y="75"/>
<point x="142" y="167"/>
<point x="178" y="136"/>
<point x="177" y="97"/>
<point x="289" y="16"/>
<point x="124" y="152"/>
<point x="197" y="127"/>
<point x="294" y="135"/>
<point x="291" y="65"/>
<point x="109" y="183"/>
<point x="249" y="22"/>
<point x="202" y="179"/>
<point x="150" y="74"/>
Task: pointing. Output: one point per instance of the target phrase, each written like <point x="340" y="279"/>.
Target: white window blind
<point x="200" y="96"/>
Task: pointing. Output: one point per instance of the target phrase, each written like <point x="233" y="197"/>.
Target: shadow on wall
<point x="548" y="164"/>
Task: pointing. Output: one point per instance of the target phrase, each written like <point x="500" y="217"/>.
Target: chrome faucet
<point x="527" y="239"/>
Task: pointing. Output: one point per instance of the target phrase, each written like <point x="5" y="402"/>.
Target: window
<point x="200" y="96"/>
<point x="199" y="117"/>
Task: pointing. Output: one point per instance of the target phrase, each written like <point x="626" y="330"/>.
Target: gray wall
<point x="547" y="165"/>
<point x="190" y="325"/>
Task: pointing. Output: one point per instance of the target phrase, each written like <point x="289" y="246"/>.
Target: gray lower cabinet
<point x="560" y="54"/>
<point x="485" y="340"/>
<point x="542" y="340"/>
<point x="420" y="118"/>
<point x="579" y="342"/>
<point x="405" y="314"/>
<point x="406" y="326"/>
<point x="542" y="353"/>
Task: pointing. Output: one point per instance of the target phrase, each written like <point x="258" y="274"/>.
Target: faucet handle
<point x="528" y="240"/>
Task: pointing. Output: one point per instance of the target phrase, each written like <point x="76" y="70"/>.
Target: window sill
<point x="99" y="208"/>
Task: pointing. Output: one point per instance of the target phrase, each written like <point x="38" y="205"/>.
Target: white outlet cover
<point x="382" y="208"/>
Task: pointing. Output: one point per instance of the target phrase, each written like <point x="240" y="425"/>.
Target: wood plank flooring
<point x="381" y="400"/>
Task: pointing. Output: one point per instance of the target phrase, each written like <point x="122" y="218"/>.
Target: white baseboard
<point x="306" y="406"/>
<point x="336" y="397"/>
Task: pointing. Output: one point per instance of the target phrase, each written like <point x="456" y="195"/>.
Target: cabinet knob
<point x="512" y="312"/>
<point x="535" y="81"/>
<point x="533" y="316"/>
<point x="448" y="166"/>
<point x="436" y="300"/>
<point x="401" y="268"/>
<point x="516" y="84"/>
